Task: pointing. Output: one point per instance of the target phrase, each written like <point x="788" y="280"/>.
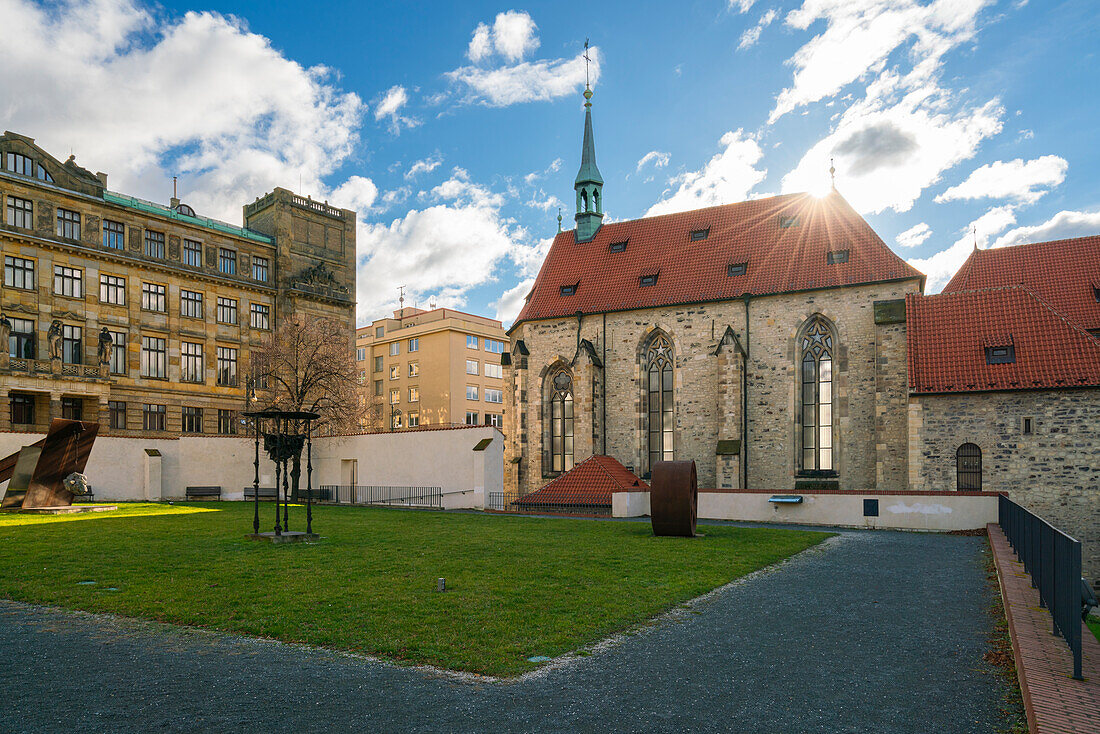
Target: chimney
<point x="102" y="178"/>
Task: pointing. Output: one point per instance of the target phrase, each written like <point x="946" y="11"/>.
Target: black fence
<point x="1054" y="561"/>
<point x="516" y="502"/>
<point x="361" y="494"/>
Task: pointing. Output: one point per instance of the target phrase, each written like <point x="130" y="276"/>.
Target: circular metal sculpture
<point x="673" y="497"/>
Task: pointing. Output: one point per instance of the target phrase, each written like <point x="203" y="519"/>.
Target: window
<point x="191" y="304"/>
<point x="378" y="388"/>
<point x="68" y="224"/>
<point x="414" y="369"/>
<point x="22" y="409"/>
<point x="227" y="310"/>
<point x="1000" y="355"/>
<point x="471" y="417"/>
<point x="414" y="345"/>
<point x="494" y="396"/>
<point x="659" y="400"/>
<point x="968" y="467"/>
<point x="20" y="213"/>
<point x="192" y="420"/>
<point x="617" y="246"/>
<point x="395" y="372"/>
<point x="191" y="366"/>
<point x="114" y="235"/>
<point x="568" y="290"/>
<point x="153" y="417"/>
<point x="836" y="257"/>
<point x="260" y="316"/>
<point x="471" y="366"/>
<point x="116" y="414"/>
<point x="495" y="346"/>
<point x="734" y="269"/>
<point x="471" y="341"/>
<point x="154" y="357"/>
<point x="414" y="394"/>
<point x="192" y="253"/>
<point x="786" y="222"/>
<point x="561" y="422"/>
<point x="227" y="261"/>
<point x="71" y="344"/>
<point x="493" y="370"/>
<point x="700" y="234"/>
<point x="21" y="341"/>
<point x="1027" y="426"/>
<point x="378" y="363"/>
<point x="260" y="268"/>
<point x="72" y="409"/>
<point x="360" y="354"/>
<point x="227" y="366"/>
<point x="68" y="281"/>
<point x="18" y="272"/>
<point x="153" y="297"/>
<point x="494" y="419"/>
<point x="379" y="332"/>
<point x="647" y="280"/>
<point x="118" y="352"/>
<point x="395" y="396"/>
<point x="395" y="419"/>
<point x="471" y="392"/>
<point x="154" y="243"/>
<point x="395" y="349"/>
<point x="414" y="420"/>
<point x="112" y="289"/>
<point x="226" y="422"/>
<point x="21" y="164"/>
<point x="816" y="372"/>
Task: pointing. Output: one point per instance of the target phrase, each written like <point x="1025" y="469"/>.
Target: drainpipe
<point x="603" y="395"/>
<point x="745" y="399"/>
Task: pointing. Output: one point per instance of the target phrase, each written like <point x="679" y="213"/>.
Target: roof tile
<point x="589" y="484"/>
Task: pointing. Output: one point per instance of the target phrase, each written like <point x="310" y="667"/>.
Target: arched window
<point x="662" y="421"/>
<point x="596" y="200"/>
<point x="584" y="199"/>
<point x="968" y="467"/>
<point x="561" y="422"/>
<point x="816" y="377"/>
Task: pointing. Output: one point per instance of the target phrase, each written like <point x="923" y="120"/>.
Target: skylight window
<point x="734" y="269"/>
<point x="1096" y="292"/>
<point x="618" y="246"/>
<point x="568" y="290"/>
<point x="1000" y="355"/>
<point x="647" y="280"/>
<point x="836" y="257"/>
<point x="699" y="234"/>
<point x="787" y="221"/>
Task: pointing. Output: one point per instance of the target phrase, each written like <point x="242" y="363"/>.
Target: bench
<point x="193" y="492"/>
<point x="266" y="493"/>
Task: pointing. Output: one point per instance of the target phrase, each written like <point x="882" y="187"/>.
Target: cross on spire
<point x="586" y="62"/>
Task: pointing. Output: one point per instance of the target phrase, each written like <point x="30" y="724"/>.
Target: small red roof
<point x="948" y="335"/>
<point x="588" y="484"/>
<point x="784" y="242"/>
<point x="1064" y="273"/>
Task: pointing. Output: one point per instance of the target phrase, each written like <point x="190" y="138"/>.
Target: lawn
<point x="516" y="587"/>
<point x="1094" y="624"/>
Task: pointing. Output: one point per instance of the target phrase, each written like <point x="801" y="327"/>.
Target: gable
<point x="19" y="156"/>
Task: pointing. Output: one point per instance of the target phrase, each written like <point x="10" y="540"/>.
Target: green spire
<point x="589" y="182"/>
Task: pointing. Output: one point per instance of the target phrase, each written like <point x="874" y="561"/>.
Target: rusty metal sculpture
<point x="673" y="498"/>
<point x="49" y="463"/>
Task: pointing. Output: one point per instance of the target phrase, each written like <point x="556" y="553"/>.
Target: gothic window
<point x="595" y="201"/>
<point x="658" y="371"/>
<point x="561" y="422"/>
<point x="584" y="199"/>
<point x="968" y="467"/>
<point x="816" y="377"/>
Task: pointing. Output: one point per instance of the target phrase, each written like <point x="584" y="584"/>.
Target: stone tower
<point x="589" y="183"/>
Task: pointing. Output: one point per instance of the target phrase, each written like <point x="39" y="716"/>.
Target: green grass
<point x="1094" y="624"/>
<point x="516" y="587"/>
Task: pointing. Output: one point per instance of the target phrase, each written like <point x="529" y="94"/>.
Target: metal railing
<point x="1054" y="561"/>
<point x="358" y="494"/>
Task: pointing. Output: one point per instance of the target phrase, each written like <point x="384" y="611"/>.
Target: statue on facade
<point x="106" y="344"/>
<point x="5" y="333"/>
<point x="53" y="339"/>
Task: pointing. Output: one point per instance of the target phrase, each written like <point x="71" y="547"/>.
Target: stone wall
<point x="1054" y="471"/>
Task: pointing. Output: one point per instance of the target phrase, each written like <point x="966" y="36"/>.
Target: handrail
<point x="367" y="494"/>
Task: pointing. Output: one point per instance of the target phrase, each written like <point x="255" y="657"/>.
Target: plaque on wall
<point x="173" y="247"/>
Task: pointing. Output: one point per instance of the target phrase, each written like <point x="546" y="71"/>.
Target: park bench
<point x="266" y="493"/>
<point x="193" y="492"/>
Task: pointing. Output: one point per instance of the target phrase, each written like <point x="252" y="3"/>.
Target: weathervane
<point x="559" y="219"/>
<point x="832" y="173"/>
<point x="586" y="62"/>
<point x="974" y="233"/>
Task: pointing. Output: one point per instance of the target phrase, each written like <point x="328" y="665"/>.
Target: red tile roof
<point x="1064" y="273"/>
<point x="587" y="485"/>
<point x="780" y="258"/>
<point x="948" y="334"/>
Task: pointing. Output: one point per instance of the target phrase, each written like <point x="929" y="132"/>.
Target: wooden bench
<point x="266" y="493"/>
<point x="193" y="492"/>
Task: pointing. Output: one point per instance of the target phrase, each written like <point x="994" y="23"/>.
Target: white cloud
<point x="533" y="176"/>
<point x="357" y="193"/>
<point x="914" y="236"/>
<point x="481" y="44"/>
<point x="1063" y="225"/>
<point x="514" y="35"/>
<point x="426" y="165"/>
<point x="752" y="34"/>
<point x="390" y="105"/>
<point x="741" y="5"/>
<point x="511" y="301"/>
<point x="1017" y="179"/>
<point x="525" y="82"/>
<point x="727" y="177"/>
<point x="659" y="159"/>
<point x="130" y="93"/>
<point x="941" y="266"/>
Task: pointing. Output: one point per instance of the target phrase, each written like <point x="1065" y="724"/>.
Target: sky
<point x="454" y="129"/>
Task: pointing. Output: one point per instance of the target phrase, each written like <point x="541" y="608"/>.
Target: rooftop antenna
<point x="832" y="173"/>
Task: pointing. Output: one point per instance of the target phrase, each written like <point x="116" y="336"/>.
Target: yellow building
<point x="435" y="367"/>
<point x="183" y="298"/>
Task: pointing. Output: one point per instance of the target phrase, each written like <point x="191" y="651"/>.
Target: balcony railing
<point x="42" y="367"/>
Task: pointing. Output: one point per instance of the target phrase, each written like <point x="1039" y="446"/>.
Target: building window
<point x="191" y="304"/>
<point x="68" y="282"/>
<point x="1027" y="426"/>
<point x="226" y="422"/>
<point x="227" y="261"/>
<point x="72" y="409"/>
<point x="659" y="400"/>
<point x="471" y="417"/>
<point x="471" y="341"/>
<point x="379" y="332"/>
<point x="153" y="417"/>
<point x="112" y="289"/>
<point x="192" y="419"/>
<point x="414" y="394"/>
<point x="20" y="164"/>
<point x="494" y="346"/>
<point x="816" y="379"/>
<point x="395" y="372"/>
<point x="260" y="268"/>
<point x="68" y="224"/>
<point x="968" y="467"/>
<point x="360" y="354"/>
<point x="227" y="310"/>
<point x="18" y="273"/>
<point x="786" y="222"/>
<point x="395" y="396"/>
<point x="414" y="345"/>
<point x="735" y="269"/>
<point x="20" y="213"/>
<point x="471" y="366"/>
<point x="494" y="396"/>
<point x="72" y="351"/>
<point x="227" y="366"/>
<point x="395" y="349"/>
<point x="260" y="316"/>
<point x="378" y="388"/>
<point x="116" y="414"/>
<point x="493" y="370"/>
<point x="154" y="243"/>
<point x="118" y="352"/>
<point x="22" y="409"/>
<point x="21" y="341"/>
<point x="494" y="419"/>
<point x="414" y="420"/>
<point x="378" y="363"/>
<point x="153" y="297"/>
<point x="114" y="235"/>
<point x="561" y="422"/>
<point x="836" y="257"/>
<point x="154" y="357"/>
<point x="648" y="280"/>
<point x="414" y="369"/>
<point x="395" y="419"/>
<point x="1000" y="355"/>
<point x="617" y="246"/>
<point x="191" y="366"/>
<point x="566" y="290"/>
<point x="471" y="392"/>
<point x="192" y="253"/>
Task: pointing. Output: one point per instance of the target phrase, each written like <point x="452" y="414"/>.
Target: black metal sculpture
<point x="285" y="433"/>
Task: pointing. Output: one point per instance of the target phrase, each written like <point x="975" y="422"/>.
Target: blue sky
<point x="454" y="128"/>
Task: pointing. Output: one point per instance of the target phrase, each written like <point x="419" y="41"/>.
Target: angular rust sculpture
<point x="673" y="498"/>
<point x="63" y="451"/>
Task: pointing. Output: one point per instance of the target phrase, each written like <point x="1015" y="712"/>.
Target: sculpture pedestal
<point x="290" y="536"/>
<point x="70" y="510"/>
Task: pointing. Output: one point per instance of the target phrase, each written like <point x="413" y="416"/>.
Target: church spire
<point x="589" y="182"/>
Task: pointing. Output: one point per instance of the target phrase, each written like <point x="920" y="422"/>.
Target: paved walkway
<point x="874" y="631"/>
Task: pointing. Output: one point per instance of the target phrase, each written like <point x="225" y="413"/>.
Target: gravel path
<point x="873" y="631"/>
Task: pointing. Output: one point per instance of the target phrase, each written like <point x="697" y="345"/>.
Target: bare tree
<point x="307" y="364"/>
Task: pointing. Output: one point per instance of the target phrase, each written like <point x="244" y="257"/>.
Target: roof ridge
<point x="1043" y="302"/>
<point x="792" y="195"/>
